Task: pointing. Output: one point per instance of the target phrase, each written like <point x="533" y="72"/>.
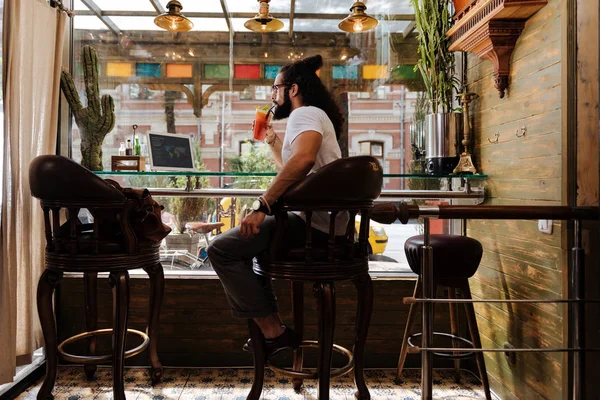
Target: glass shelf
<point x="229" y="174"/>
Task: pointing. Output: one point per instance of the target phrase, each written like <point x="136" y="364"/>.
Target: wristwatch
<point x="258" y="205"/>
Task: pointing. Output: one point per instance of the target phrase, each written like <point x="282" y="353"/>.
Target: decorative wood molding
<point x="490" y="29"/>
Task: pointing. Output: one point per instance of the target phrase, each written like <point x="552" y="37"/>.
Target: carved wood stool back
<point x="343" y="187"/>
<point x="108" y="244"/>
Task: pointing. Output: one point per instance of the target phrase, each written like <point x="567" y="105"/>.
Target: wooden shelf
<point x="490" y="29"/>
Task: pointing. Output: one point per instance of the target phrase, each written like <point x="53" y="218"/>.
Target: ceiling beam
<point x="226" y="14"/>
<point x="292" y="12"/>
<point x="157" y="6"/>
<point x="95" y="10"/>
<point x="243" y="15"/>
<point x="409" y="29"/>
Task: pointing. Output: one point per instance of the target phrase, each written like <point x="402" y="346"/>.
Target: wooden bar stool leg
<point x="157" y="288"/>
<point x="90" y="290"/>
<point x="474" y="331"/>
<point x="120" y="287"/>
<point x="454" y="330"/>
<point x="410" y="322"/>
<point x="325" y="294"/>
<point x="364" y="310"/>
<point x="260" y="356"/>
<point x="46" y="285"/>
<point x="298" y="312"/>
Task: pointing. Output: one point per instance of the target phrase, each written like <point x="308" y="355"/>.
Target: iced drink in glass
<point x="261" y="120"/>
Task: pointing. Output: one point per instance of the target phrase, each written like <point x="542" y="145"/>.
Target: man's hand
<point x="250" y="224"/>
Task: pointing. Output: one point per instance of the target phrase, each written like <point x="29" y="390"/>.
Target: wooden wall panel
<point x="197" y="329"/>
<point x="519" y="262"/>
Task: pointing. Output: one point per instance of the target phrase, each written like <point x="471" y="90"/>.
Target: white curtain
<point x="32" y="50"/>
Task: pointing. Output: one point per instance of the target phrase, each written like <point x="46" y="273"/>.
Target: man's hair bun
<point x="313" y="63"/>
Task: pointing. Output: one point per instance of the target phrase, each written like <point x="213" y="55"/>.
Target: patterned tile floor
<point x="234" y="384"/>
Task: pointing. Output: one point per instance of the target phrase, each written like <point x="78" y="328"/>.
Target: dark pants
<point x="231" y="255"/>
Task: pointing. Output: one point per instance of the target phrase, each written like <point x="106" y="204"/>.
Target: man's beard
<point x="283" y="111"/>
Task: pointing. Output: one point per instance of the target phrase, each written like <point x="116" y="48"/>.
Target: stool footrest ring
<point x="313" y="375"/>
<point x="458" y="355"/>
<point x="100" y="358"/>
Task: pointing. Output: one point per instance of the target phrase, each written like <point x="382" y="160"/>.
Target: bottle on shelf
<point x="137" y="147"/>
<point x="122" y="148"/>
<point x="128" y="148"/>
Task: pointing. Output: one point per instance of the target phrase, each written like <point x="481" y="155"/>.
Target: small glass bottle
<point x="137" y="147"/>
<point x="122" y="148"/>
<point x="128" y="148"/>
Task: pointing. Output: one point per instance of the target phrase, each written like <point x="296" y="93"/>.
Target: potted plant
<point x="97" y="119"/>
<point x="433" y="18"/>
<point x="417" y="134"/>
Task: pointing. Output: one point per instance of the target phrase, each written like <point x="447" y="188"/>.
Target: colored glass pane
<point x="147" y="69"/>
<point x="118" y="69"/>
<point x="216" y="71"/>
<point x="375" y="71"/>
<point x="405" y="72"/>
<point x="246" y="71"/>
<point x="179" y="70"/>
<point x="271" y="71"/>
<point x="344" y="72"/>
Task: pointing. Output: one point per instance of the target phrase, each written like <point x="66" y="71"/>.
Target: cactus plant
<point x="97" y="119"/>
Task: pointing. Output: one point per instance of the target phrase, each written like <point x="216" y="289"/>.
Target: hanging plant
<point x="433" y="18"/>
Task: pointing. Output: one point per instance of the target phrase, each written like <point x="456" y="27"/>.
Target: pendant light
<point x="173" y="20"/>
<point x="263" y="22"/>
<point x="358" y="21"/>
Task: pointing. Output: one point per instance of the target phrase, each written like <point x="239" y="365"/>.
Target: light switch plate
<point x="545" y="226"/>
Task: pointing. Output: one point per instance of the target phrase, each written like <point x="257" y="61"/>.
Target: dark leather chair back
<point x="347" y="186"/>
<point x="61" y="183"/>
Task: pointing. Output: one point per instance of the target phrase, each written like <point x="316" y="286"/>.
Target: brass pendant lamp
<point x="263" y="22"/>
<point x="173" y="20"/>
<point x="358" y="21"/>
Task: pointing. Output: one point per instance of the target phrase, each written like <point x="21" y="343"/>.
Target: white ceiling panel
<point x="210" y="24"/>
<point x="135" y="23"/>
<point x="393" y="26"/>
<point x="121" y="5"/>
<point x="207" y="6"/>
<point x="78" y="5"/>
<point x="316" y="25"/>
<point x="323" y="6"/>
<point x="389" y="7"/>
<point x="85" y="22"/>
<point x="275" y="6"/>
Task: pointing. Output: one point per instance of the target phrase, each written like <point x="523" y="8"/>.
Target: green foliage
<point x="433" y="19"/>
<point x="421" y="107"/>
<point x="97" y="119"/>
<point x="258" y="159"/>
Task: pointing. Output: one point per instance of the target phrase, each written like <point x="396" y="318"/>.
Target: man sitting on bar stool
<point x="310" y="142"/>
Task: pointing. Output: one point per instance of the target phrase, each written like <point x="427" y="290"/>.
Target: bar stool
<point x="112" y="243"/>
<point x="344" y="186"/>
<point x="455" y="259"/>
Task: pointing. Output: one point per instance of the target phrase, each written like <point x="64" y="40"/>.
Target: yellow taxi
<point x="377" y="237"/>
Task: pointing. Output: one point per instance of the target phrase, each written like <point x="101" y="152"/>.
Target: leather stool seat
<point x="115" y="242"/>
<point x="456" y="257"/>
<point x="345" y="186"/>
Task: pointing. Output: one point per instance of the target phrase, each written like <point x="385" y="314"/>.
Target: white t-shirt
<point x="309" y="118"/>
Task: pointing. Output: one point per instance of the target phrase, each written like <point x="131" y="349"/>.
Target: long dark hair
<point x="304" y="74"/>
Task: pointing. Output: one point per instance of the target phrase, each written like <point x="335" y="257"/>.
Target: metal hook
<point x="495" y="141"/>
<point x="522" y="131"/>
